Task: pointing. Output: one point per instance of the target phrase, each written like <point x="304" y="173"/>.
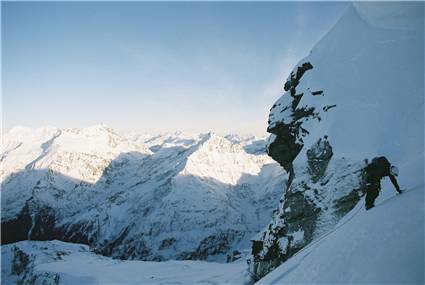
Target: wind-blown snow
<point x="384" y="245"/>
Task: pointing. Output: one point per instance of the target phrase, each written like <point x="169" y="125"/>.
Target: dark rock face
<point x="289" y="131"/>
<point x="320" y="189"/>
<point x="43" y="221"/>
<point x="16" y="229"/>
<point x="213" y="245"/>
<point x="301" y="214"/>
<point x="284" y="148"/>
<point x="20" y="261"/>
<point x="318" y="158"/>
<point x="41" y="279"/>
<point x="166" y="243"/>
<point x="35" y="222"/>
<point x="295" y="78"/>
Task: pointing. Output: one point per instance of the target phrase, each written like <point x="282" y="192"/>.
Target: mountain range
<point x="148" y="197"/>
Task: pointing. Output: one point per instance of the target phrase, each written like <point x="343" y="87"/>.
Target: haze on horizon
<point x="153" y="67"/>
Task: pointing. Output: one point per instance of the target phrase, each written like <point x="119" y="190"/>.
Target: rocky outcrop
<point x="20" y="262"/>
<point x="288" y="131"/>
<point x="318" y="157"/>
<point x="320" y="190"/>
<point x="22" y="266"/>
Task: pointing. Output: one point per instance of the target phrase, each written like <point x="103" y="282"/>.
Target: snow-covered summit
<point x="223" y="160"/>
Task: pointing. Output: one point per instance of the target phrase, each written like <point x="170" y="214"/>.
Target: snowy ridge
<point x="151" y="197"/>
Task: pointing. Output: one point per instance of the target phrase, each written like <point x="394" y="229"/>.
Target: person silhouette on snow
<point x="375" y="171"/>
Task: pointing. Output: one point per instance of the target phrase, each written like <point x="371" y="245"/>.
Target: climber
<point x="374" y="172"/>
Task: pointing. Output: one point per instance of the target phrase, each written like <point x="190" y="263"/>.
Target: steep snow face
<point x="60" y="263"/>
<point x="152" y="197"/>
<point x="373" y="76"/>
<point x="381" y="246"/>
<point x="359" y="94"/>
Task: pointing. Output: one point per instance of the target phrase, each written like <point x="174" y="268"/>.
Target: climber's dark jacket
<point x="378" y="169"/>
<point x="374" y="172"/>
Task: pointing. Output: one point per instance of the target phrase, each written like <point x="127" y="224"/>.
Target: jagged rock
<point x="318" y="157"/>
<point x="320" y="189"/>
<point x="286" y="121"/>
<point x="17" y="228"/>
<point x="311" y="206"/>
<point x="42" y="278"/>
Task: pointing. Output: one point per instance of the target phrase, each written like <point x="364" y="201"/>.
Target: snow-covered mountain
<point x="172" y="196"/>
<point x="359" y="94"/>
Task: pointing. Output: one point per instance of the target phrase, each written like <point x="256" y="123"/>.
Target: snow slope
<point x="59" y="263"/>
<point x="382" y="246"/>
<point x="151" y="197"/>
<point x="370" y="66"/>
<point x="359" y="94"/>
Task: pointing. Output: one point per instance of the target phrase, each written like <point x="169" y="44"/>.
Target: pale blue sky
<point x="153" y="67"/>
